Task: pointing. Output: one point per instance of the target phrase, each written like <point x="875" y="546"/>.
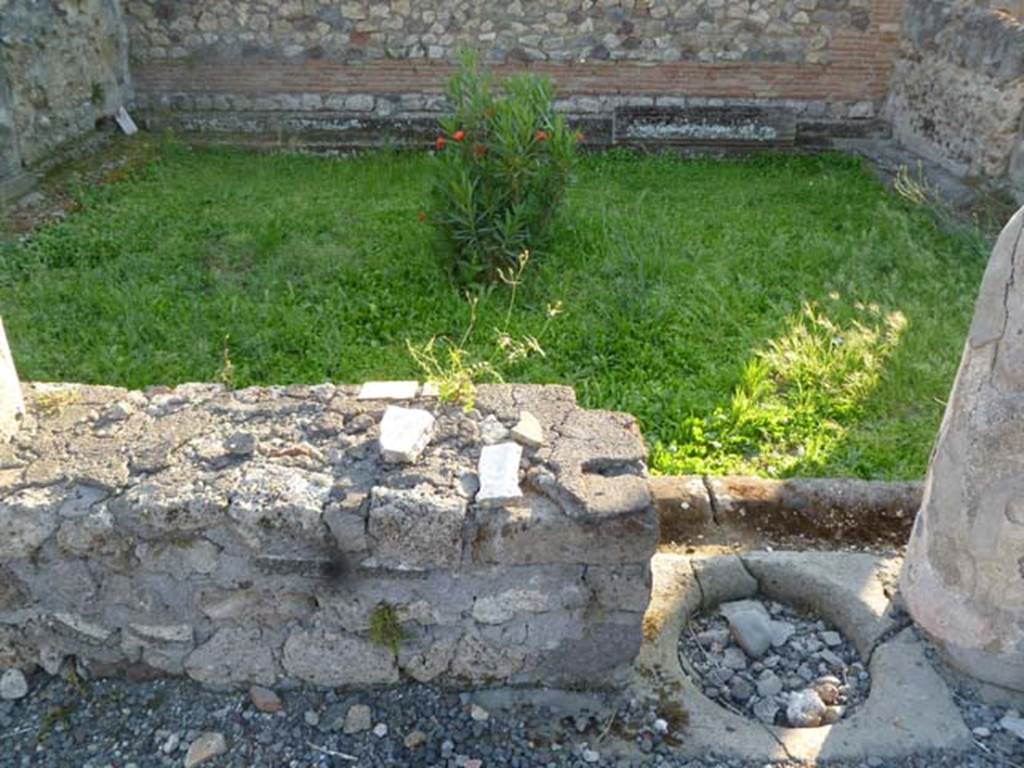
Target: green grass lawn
<point x="781" y="315"/>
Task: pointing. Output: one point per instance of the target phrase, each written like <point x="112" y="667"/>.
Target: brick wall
<point x="294" y="68"/>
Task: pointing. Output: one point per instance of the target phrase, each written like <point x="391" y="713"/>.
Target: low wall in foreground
<point x="324" y="535"/>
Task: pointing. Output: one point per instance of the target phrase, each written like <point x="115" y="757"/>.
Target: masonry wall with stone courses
<point x="354" y="71"/>
<point x="259" y="536"/>
<point x="63" y="65"/>
<point x="958" y="89"/>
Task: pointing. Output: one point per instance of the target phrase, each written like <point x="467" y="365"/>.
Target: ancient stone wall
<point x="958" y="89"/>
<point x="313" y="534"/>
<point x="358" y="69"/>
<point x="63" y="65"/>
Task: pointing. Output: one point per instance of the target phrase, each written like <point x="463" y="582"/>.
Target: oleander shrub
<point x="502" y="163"/>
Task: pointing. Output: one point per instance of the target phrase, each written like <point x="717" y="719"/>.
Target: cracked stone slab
<point x="404" y="433"/>
<point x="909" y="710"/>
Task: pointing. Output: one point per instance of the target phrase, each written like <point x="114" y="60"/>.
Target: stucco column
<point x="12" y="407"/>
<point x="964" y="576"/>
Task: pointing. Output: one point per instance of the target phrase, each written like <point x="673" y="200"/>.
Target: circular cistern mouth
<point x="773" y="663"/>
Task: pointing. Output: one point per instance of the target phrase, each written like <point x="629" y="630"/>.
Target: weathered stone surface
<point x="334" y="659"/>
<point x="206" y="747"/>
<point x="723" y="579"/>
<point x="475" y="660"/>
<point x="510" y="33"/>
<point x="964" y="576"/>
<point x="528" y="431"/>
<point x="232" y="657"/>
<point x="416" y="528"/>
<point x="243" y="537"/>
<point x="273" y="497"/>
<point x="805" y="709"/>
<point x="751" y="626"/>
<point x="13" y="685"/>
<point x="62" y="72"/>
<point x="12" y="404"/>
<point x="27" y="519"/>
<point x="541" y="532"/>
<point x="359" y="718"/>
<point x="404" y="433"/>
<point x="957" y="93"/>
<point x="265" y="700"/>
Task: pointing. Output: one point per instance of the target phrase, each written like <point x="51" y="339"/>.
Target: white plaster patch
<point x="404" y="433"/>
<point x="388" y="390"/>
<point x="499" y="473"/>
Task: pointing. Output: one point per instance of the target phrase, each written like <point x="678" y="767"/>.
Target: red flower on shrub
<point x="458" y="136"/>
<point x="422" y="216"/>
<point x="439" y="143"/>
<point x="541" y="136"/>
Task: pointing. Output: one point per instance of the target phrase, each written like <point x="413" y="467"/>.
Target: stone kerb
<point x="311" y="534"/>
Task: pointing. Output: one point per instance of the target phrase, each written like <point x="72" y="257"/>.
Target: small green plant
<point x="58" y="715"/>
<point x="385" y="628"/>
<point x="454" y="371"/>
<point x="913" y="187"/>
<point x="502" y="165"/>
<point x="449" y="366"/>
<point x="97" y="94"/>
<point x="226" y="374"/>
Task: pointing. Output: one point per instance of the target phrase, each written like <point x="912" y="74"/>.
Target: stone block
<point x="539" y="531"/>
<point x="620" y="587"/>
<point x="499" y="474"/>
<point x="272" y="497"/>
<point x="528" y="431"/>
<point x="233" y="657"/>
<point x="404" y="433"/>
<point x="27" y="519"/>
<point x="415" y="528"/>
<point x="164" y="648"/>
<point x="349" y="530"/>
<point x="337" y="659"/>
<point x="600" y="657"/>
<point x="265" y="607"/>
<point x="476" y="660"/>
<point x="723" y="578"/>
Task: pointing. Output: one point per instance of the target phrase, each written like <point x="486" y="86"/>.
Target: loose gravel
<point x="116" y="723"/>
<point x="806" y="674"/>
